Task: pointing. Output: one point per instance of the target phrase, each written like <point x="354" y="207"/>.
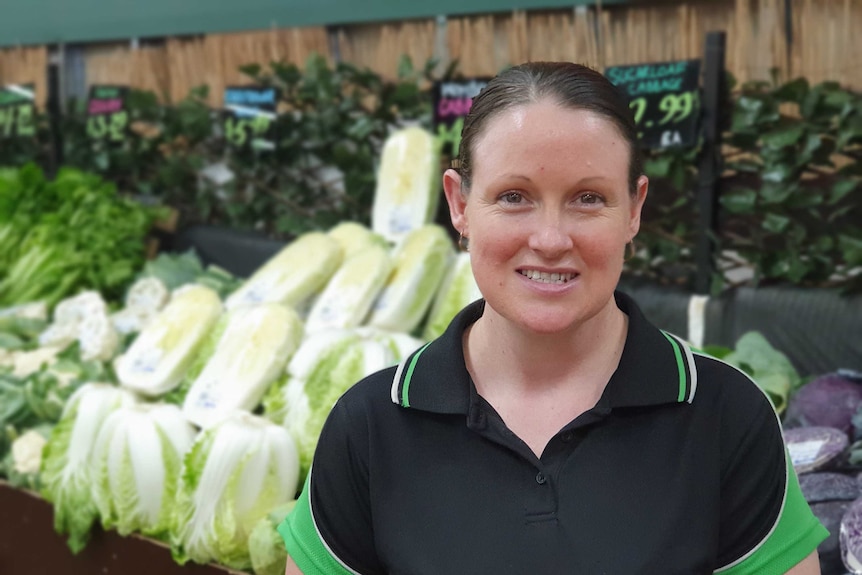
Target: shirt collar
<point x="655" y="368"/>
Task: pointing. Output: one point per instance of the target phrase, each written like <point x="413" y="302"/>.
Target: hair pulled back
<point x="571" y="85"/>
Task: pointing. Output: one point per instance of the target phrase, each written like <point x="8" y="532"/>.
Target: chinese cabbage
<point x="160" y="354"/>
<point x="251" y="353"/>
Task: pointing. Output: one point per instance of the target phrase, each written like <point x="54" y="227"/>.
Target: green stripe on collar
<point x="405" y="387"/>
<point x="680" y="365"/>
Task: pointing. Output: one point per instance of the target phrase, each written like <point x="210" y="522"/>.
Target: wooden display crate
<point x="29" y="546"/>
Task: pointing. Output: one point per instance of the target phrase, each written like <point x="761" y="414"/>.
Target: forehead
<point x="548" y="132"/>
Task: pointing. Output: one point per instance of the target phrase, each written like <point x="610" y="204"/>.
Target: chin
<point x="548" y="323"/>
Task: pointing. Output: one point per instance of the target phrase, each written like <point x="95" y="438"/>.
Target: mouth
<point x="548" y="277"/>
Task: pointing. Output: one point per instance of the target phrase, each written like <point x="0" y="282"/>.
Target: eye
<point x="590" y="198"/>
<point x="511" y="198"/>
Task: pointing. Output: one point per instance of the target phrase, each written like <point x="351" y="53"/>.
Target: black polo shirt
<point x="679" y="468"/>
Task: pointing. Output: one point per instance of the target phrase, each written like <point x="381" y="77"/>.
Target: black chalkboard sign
<point x="249" y="117"/>
<point x="665" y="99"/>
<point x="107" y="116"/>
<point x="17" y="111"/>
<point x="452" y="100"/>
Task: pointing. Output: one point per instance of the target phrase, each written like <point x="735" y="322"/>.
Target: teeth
<point x="548" y="278"/>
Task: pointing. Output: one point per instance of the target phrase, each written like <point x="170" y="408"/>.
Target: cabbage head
<point x="65" y="469"/>
<point x="234" y="474"/>
<point x="265" y="545"/>
<point x="136" y="464"/>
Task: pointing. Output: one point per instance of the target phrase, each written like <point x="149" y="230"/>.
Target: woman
<point x="551" y="429"/>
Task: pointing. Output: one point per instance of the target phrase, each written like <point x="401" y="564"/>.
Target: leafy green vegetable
<point x="265" y="545"/>
<point x="157" y="360"/>
<point x="348" y="297"/>
<point x="66" y="471"/>
<point x="234" y="474"/>
<point x="421" y="261"/>
<point x="768" y="367"/>
<point x="252" y="351"/>
<point x="294" y="274"/>
<point x="407" y="190"/>
<point x="70" y="233"/>
<point x="135" y="467"/>
<point x="456" y="291"/>
<point x="22" y="462"/>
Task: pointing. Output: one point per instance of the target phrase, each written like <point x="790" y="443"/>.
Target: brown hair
<point x="571" y="85"/>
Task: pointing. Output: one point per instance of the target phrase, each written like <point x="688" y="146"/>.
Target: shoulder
<point x="369" y="395"/>
<point x="728" y="389"/>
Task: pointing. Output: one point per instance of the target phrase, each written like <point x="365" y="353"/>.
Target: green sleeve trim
<point x="304" y="543"/>
<point x="796" y="535"/>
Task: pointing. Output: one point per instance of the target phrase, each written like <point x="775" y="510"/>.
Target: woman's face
<point x="548" y="215"/>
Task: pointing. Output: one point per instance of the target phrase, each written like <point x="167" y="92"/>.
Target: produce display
<point x="60" y="236"/>
<point x="823" y="434"/>
<point x="407" y="192"/>
<point x="173" y="400"/>
<point x="186" y="405"/>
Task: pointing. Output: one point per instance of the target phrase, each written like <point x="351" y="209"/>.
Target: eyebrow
<point x="587" y="180"/>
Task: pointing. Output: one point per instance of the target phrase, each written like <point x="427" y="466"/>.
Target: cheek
<point x="497" y="245"/>
<point x="601" y="247"/>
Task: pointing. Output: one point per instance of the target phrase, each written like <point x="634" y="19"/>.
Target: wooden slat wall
<point x="827" y="44"/>
<point x="381" y="46"/>
<point x="145" y="68"/>
<point x="26" y="66"/>
<point x="181" y="64"/>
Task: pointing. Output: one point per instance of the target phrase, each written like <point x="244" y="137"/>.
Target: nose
<point x="550" y="236"/>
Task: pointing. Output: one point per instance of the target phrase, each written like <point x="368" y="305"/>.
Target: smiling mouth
<point x="548" y="278"/>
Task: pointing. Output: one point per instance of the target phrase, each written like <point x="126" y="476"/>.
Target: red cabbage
<point x="828" y="486"/>
<point x="830" y="400"/>
<point x="813" y="448"/>
<point x="850" y="538"/>
<point x="830" y="514"/>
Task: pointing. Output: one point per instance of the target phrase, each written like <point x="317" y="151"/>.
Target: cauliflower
<point x="27" y="452"/>
<point x="148" y="294"/>
<point x="84" y="318"/>
<point x="98" y="338"/>
<point x="74" y="309"/>
<point x="34" y="310"/>
<point x="29" y="362"/>
<point x="7" y="358"/>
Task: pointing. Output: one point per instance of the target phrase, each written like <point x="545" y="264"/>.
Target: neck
<point x="500" y="352"/>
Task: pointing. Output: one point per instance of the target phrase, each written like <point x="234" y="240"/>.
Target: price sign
<point x="665" y="99"/>
<point x="452" y="100"/>
<point x="17" y="111"/>
<point x="107" y="116"/>
<point x="249" y="118"/>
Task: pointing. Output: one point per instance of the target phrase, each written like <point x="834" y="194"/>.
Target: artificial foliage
<point x="788" y="193"/>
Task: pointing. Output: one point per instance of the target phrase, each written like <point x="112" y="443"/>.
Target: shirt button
<point x="540" y="478"/>
<point x="566" y="436"/>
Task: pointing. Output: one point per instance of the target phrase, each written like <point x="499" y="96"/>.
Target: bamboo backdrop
<point x="824" y="44"/>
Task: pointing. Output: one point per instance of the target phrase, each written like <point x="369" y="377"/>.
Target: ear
<point x="456" y="199"/>
<point x="637" y="206"/>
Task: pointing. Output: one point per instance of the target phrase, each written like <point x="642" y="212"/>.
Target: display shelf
<point x="29" y="546"/>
